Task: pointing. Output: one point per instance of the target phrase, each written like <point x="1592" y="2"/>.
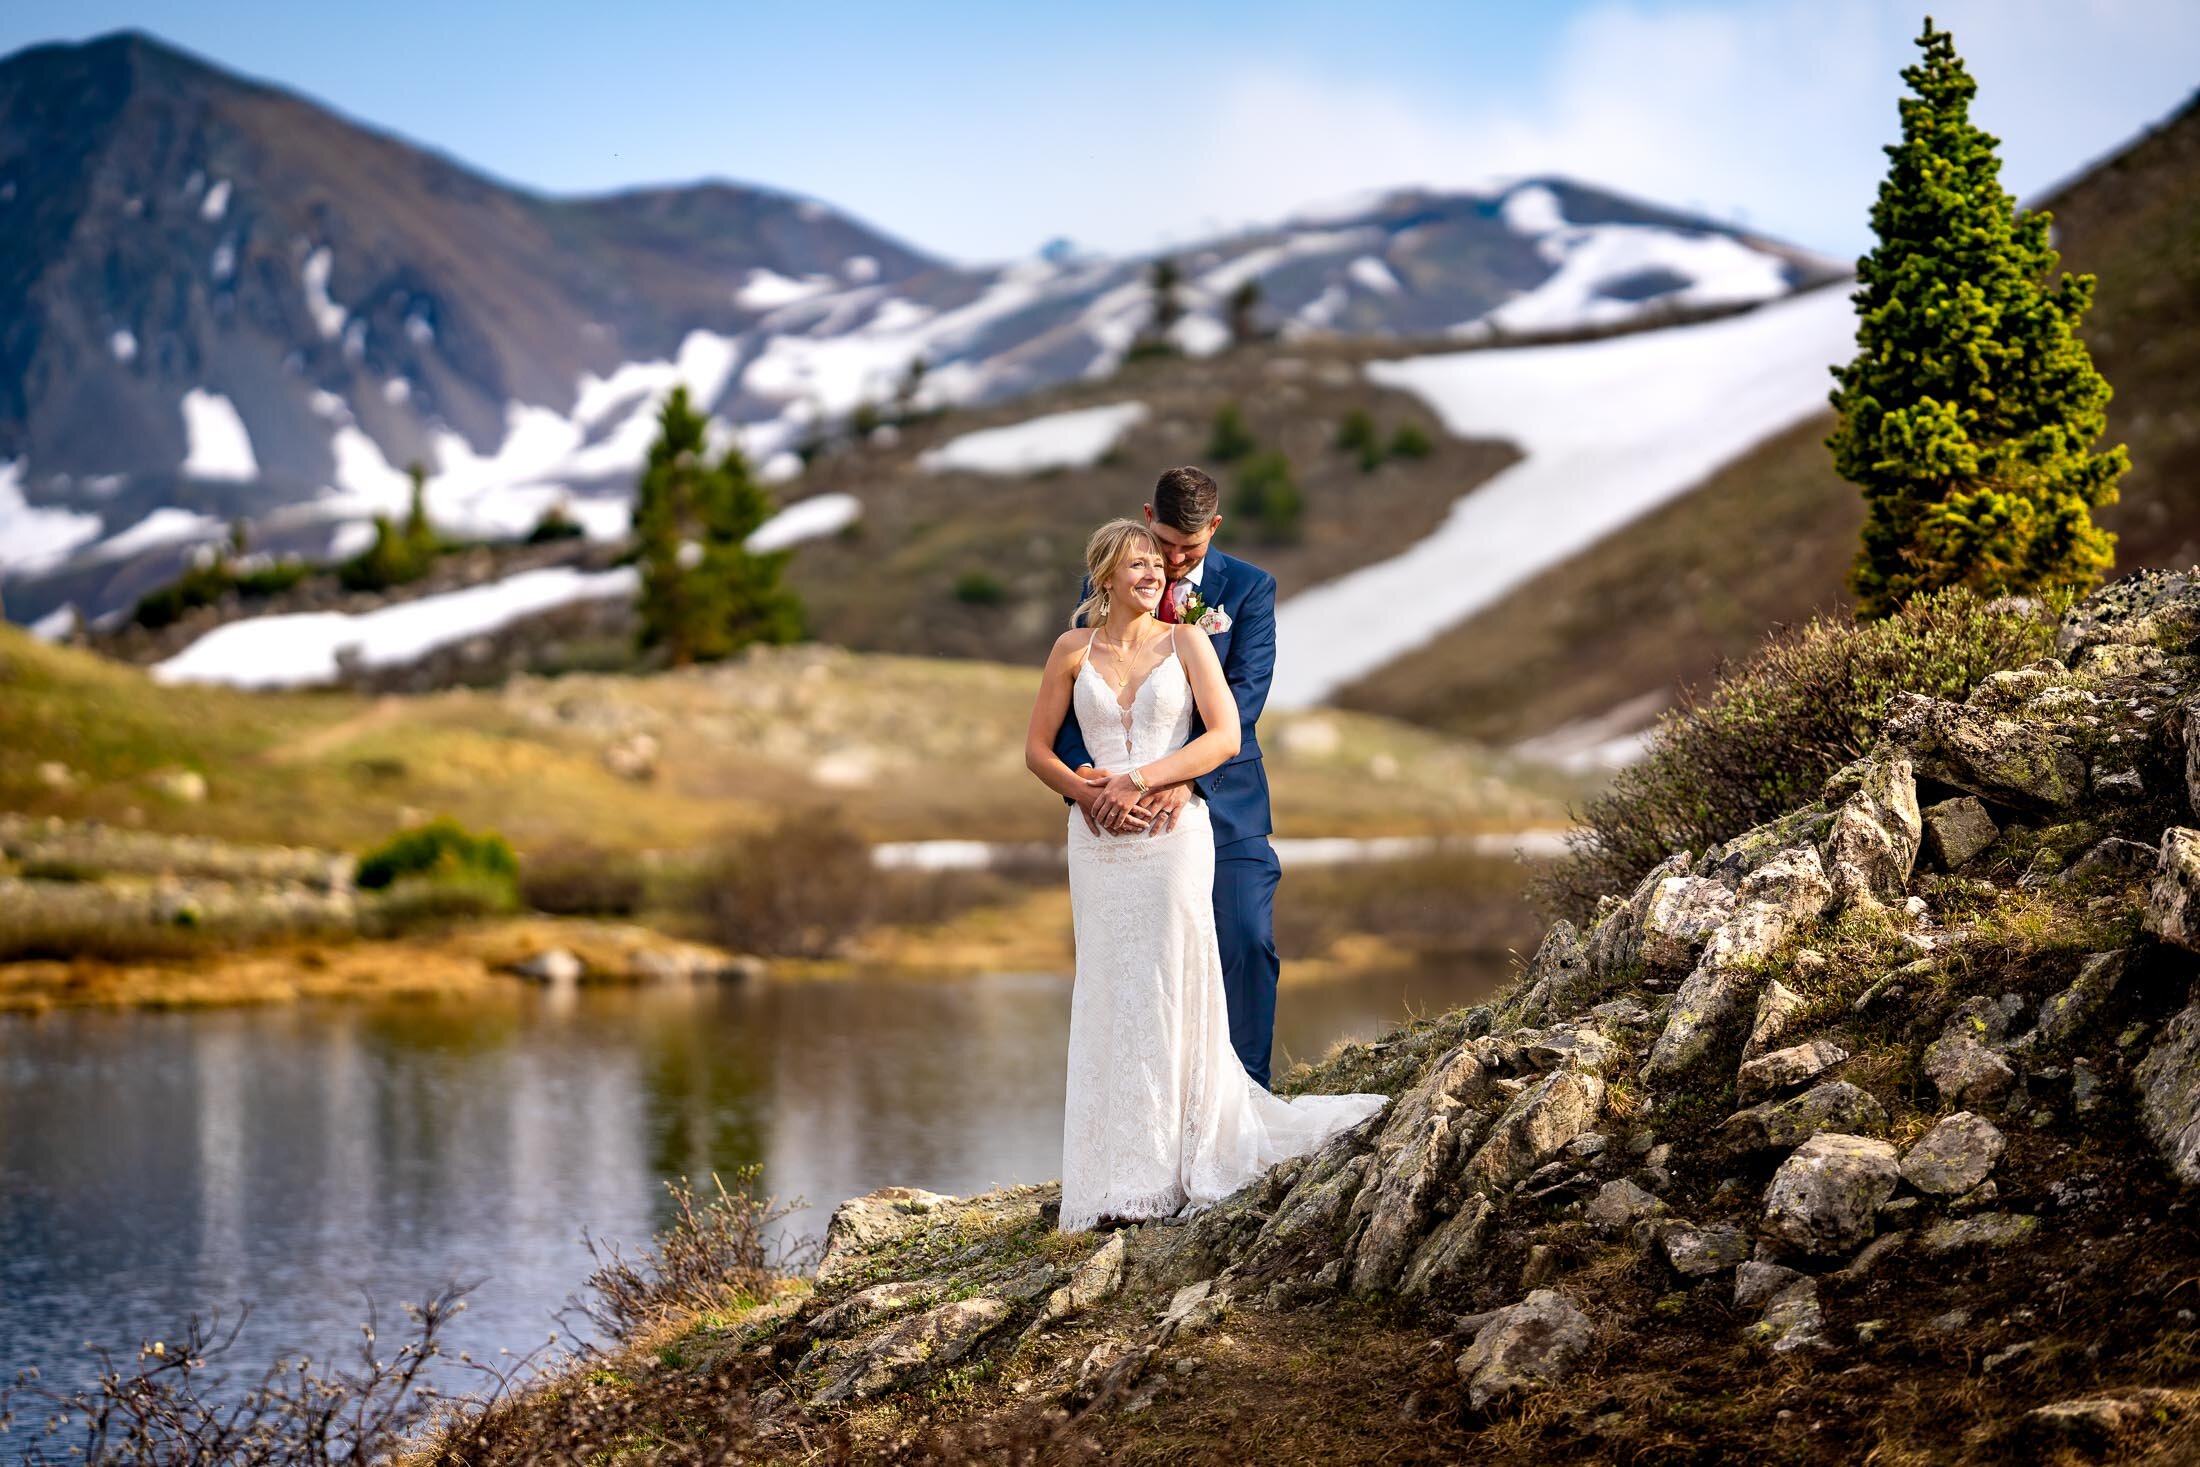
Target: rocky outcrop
<point x="1551" y="1184"/>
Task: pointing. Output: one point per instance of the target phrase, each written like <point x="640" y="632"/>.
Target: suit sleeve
<point x="1069" y="740"/>
<point x="1252" y="663"/>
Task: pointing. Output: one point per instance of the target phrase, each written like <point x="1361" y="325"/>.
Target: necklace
<point x="1122" y="676"/>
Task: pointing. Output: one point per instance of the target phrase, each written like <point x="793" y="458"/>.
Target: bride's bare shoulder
<point x="1070" y="645"/>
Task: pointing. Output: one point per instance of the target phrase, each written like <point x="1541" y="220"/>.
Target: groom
<point x="1185" y="513"/>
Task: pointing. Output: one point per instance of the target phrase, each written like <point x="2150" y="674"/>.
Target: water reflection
<point x="310" y="1158"/>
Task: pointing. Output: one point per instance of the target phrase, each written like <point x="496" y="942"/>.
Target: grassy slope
<point x="911" y="748"/>
<point x="1767" y="540"/>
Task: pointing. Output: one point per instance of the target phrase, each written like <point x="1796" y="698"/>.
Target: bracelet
<point x="1138" y="778"/>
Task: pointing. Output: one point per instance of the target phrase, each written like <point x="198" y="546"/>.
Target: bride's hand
<point x="1115" y="804"/>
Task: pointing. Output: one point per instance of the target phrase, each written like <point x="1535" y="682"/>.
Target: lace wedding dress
<point x="1161" y="1116"/>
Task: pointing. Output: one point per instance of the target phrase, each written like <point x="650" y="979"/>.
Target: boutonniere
<point x="1212" y="620"/>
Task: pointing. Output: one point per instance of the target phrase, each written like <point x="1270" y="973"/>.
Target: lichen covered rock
<point x="1954" y="1156"/>
<point x="1825" y="1197"/>
<point x="2173" y="904"/>
<point x="1530" y="1345"/>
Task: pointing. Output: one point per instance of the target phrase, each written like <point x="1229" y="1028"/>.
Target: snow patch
<point x="167" y="525"/>
<point x="1610" y="430"/>
<point x="806" y="519"/>
<point x="216" y="202"/>
<point x="33" y="537"/>
<point x="124" y="346"/>
<point x="1199" y="334"/>
<point x="1253" y="264"/>
<point x="397" y="389"/>
<point x="1532" y="210"/>
<point x="1074" y="439"/>
<point x="328" y="316"/>
<point x="419" y="330"/>
<point x="56" y="624"/>
<point x="353" y="537"/>
<point x="1721" y="271"/>
<point x="766" y="290"/>
<point x="1373" y="274"/>
<point x="301" y="650"/>
<point x="861" y="269"/>
<point x="217" y="445"/>
<point x="224" y="261"/>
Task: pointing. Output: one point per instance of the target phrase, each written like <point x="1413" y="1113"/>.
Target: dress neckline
<point x="1116" y="698"/>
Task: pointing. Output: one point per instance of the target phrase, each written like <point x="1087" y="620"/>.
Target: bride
<point x="1160" y="1115"/>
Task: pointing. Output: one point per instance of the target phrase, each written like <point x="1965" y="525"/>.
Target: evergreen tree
<point x="1244" y="301"/>
<point x="1969" y="413"/>
<point x="1229" y="439"/>
<point x="1168" y="307"/>
<point x="704" y="594"/>
<point x="1269" y="500"/>
<point x="419" y="534"/>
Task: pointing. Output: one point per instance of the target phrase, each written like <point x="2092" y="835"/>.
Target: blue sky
<point x="980" y="130"/>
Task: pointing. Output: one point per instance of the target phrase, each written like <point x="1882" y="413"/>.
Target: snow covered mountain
<point x="218" y="299"/>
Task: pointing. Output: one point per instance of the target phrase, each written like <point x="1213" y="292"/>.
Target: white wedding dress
<point x="1160" y="1116"/>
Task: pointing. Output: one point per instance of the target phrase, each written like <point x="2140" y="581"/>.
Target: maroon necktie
<point x="1168" y="601"/>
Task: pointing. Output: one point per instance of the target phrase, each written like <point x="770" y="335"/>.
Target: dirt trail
<point x="379" y="714"/>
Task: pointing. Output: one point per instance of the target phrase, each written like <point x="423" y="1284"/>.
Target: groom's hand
<point x="1116" y="805"/>
<point x="1164" y="805"/>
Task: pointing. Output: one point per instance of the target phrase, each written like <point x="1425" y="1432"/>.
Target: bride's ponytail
<point x="1104" y="552"/>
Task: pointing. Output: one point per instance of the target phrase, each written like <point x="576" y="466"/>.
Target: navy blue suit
<point x="1246" y="870"/>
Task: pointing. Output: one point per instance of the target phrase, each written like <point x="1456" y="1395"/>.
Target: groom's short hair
<point x="1186" y="499"/>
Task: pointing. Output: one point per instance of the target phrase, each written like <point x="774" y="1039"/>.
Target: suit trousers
<point x="1246" y="874"/>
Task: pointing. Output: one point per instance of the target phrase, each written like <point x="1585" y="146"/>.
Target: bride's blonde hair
<point x="1104" y="554"/>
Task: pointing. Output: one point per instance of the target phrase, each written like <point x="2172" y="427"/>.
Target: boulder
<point x="552" y="965"/>
<point x="1873" y="844"/>
<point x="1542" y="1119"/>
<point x="1616" y="943"/>
<point x="2148" y="608"/>
<point x="2091" y="1424"/>
<point x="2192" y="755"/>
<point x="1830" y="1106"/>
<point x="1558" y="976"/>
<point x="1684" y="912"/>
<point x="1533" y="1344"/>
<point x="1784" y="1069"/>
<point x="1792" y="1320"/>
<point x="2068" y="1014"/>
<point x="2016" y="762"/>
<point x="1776" y="1009"/>
<point x="864" y="1223"/>
<point x="2168" y="1081"/>
<point x="1618" y="1205"/>
<point x="2113" y="859"/>
<point x="1964" y="1071"/>
<point x="1956" y="830"/>
<point x="929" y="1342"/>
<point x="1446" y="1254"/>
<point x="1310" y="1220"/>
<point x="1985" y="1230"/>
<point x="1780" y="895"/>
<point x="1954" y="1156"/>
<point x="1701" y="1252"/>
<point x="1825" y="1197"/>
<point x="1755" y="1282"/>
<point x="1098" y="1278"/>
<point x="2173" y="904"/>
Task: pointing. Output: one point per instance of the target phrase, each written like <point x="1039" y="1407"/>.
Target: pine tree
<point x="704" y="594"/>
<point x="1229" y="439"/>
<point x="1969" y="413"/>
<point x="419" y="534"/>
<point x="1168" y="308"/>
<point x="1244" y="302"/>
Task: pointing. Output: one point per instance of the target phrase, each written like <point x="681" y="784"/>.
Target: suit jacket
<point x="1237" y="793"/>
